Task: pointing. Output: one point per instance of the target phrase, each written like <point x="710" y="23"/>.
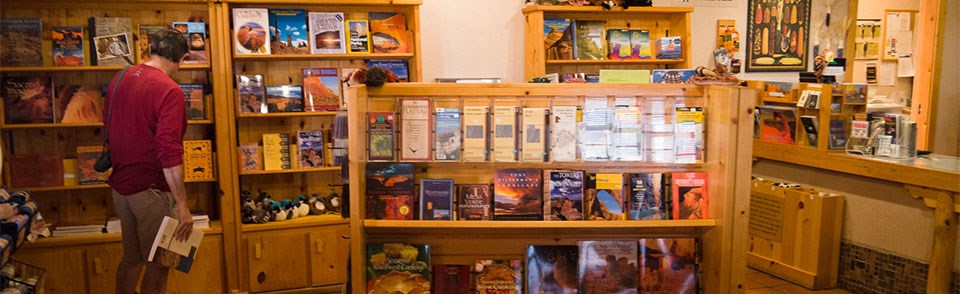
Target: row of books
<point x="36" y="100"/>
<point x="853" y="93"/>
<point x="533" y="194"/>
<point x="566" y="39"/>
<point x="655" y="265"/>
<point x="778" y="124"/>
<point x="638" y="76"/>
<point x="275" y="154"/>
<point x="295" y="31"/>
<point x="652" y="129"/>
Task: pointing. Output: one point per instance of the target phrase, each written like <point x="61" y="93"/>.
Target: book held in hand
<point x="171" y="252"/>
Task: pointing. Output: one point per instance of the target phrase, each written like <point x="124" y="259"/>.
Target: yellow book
<point x="624" y="76"/>
<point x="197" y="160"/>
<point x="70" y="172"/>
<point x="358" y="36"/>
<point x="475" y="133"/>
<point x="603" y="197"/>
<point x="276" y="151"/>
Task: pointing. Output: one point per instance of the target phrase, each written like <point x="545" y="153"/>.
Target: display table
<point x="935" y="179"/>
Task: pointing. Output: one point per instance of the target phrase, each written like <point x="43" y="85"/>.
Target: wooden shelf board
<point x="322" y="56"/>
<point x="286" y="114"/>
<point x="86" y="68"/>
<point x="290" y="171"/>
<point x="200" y="122"/>
<point x="216" y="228"/>
<point x="577" y="9"/>
<point x="590" y="165"/>
<point x="307" y="221"/>
<point x="529" y="90"/>
<point x="613" y="62"/>
<point x="83" y="125"/>
<point x="334" y="2"/>
<point x="95" y="186"/>
<point x="567" y="228"/>
<point x="780" y="100"/>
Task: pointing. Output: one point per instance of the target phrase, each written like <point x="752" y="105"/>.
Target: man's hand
<point x="185" y="228"/>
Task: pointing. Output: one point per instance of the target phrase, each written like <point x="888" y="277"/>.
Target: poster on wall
<point x="777" y="35"/>
<point x="868" y="39"/>
<point x="898" y="33"/>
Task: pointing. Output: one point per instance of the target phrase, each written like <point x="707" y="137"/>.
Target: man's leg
<point x="154" y="279"/>
<point x="128" y="272"/>
<point x="150" y="207"/>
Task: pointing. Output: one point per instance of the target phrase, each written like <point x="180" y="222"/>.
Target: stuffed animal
<point x="316" y="205"/>
<point x="302" y="208"/>
<point x="332" y="202"/>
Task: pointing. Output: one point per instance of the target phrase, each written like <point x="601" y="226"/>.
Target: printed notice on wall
<point x="766" y="216"/>
<point x="703" y="3"/>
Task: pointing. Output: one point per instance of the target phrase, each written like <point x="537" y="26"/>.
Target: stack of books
<point x="113" y="225"/>
<point x="201" y="221"/>
<point x="63" y="231"/>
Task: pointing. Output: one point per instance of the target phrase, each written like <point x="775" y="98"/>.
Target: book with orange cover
<point x="388" y="31"/>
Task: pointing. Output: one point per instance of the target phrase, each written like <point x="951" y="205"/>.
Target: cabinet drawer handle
<point x="257" y="251"/>
<point x="319" y="246"/>
<point x="97" y="265"/>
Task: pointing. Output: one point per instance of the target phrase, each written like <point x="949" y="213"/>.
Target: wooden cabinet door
<point x="278" y="261"/>
<point x="64" y="268"/>
<point x="102" y="262"/>
<point x="206" y="274"/>
<point x="328" y="255"/>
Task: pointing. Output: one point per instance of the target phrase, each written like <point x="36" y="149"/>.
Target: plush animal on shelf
<point x="316" y="205"/>
<point x="333" y="202"/>
<point x="302" y="208"/>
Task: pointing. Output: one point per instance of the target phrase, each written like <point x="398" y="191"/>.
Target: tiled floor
<point x="762" y="283"/>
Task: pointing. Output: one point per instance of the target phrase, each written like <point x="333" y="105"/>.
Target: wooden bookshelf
<point x="300" y="222"/>
<point x="86" y="68"/>
<point x="402" y="56"/>
<point x="290" y="171"/>
<point x="81" y="125"/>
<point x="539" y="228"/>
<point x="614" y="62"/>
<point x="286" y="114"/>
<point x="93" y="186"/>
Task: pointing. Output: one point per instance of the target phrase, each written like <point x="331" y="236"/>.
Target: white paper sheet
<point x="886" y="74"/>
<point x="905" y="66"/>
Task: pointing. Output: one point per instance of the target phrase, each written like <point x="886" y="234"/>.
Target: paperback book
<point x="28" y="100"/>
<point x="172" y="252"/>
<point x="603" y="197"/>
<point x="67" y="44"/>
<point x="112" y="39"/>
<point x="671" y="76"/>
<point x="688" y="133"/>
<point x="436" y="199"/>
<point x="392" y="266"/>
<point x="473" y="202"/>
<point x="607" y="267"/>
<point x="321" y="89"/>
<point x="691" y="200"/>
<point x="809" y="123"/>
<point x="250" y="27"/>
<point x="854" y="93"/>
<point x="22" y="40"/>
<point x="504" y="133"/>
<point x="252" y="94"/>
<point x="86" y="157"/>
<point x="311" y="149"/>
<point x="563" y="134"/>
<point x="534" y="140"/>
<point x="78" y="104"/>
<point x="143" y="38"/>
<point x="193" y="93"/>
<point x="498" y="276"/>
<point x="589" y="39"/>
<point x="415" y="122"/>
<point x="645" y="196"/>
<point x="389" y="191"/>
<point x="518" y="194"/>
<point x="284" y="98"/>
<point x="396" y="67"/>
<point x="276" y="151"/>
<point x="327" y="33"/>
<point x="669" y="48"/>
<point x="558" y="38"/>
<point x="196" y="35"/>
<point x="388" y="32"/>
<point x="619" y="44"/>
<point x="451" y="278"/>
<point x="552" y="269"/>
<point x="475" y="144"/>
<point x="640" y="44"/>
<point x="197" y="160"/>
<point x="380" y="132"/>
<point x="250" y="158"/>
<point x="288" y="29"/>
<point x="838" y="135"/>
<point x="359" y="36"/>
<point x="447" y="134"/>
<point x="670" y="265"/>
<point x="564" y="201"/>
<point x="778" y="124"/>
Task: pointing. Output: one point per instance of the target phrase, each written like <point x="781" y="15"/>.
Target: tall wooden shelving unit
<point x="660" y="21"/>
<point x="728" y="113"/>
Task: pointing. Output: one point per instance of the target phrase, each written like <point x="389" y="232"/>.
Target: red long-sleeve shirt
<point x="147" y="126"/>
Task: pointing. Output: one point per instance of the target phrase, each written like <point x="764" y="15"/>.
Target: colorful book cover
<point x="436" y="199"/>
<point x="380" y="129"/>
<point x="288" y="31"/>
<point x="86" y="157"/>
<point x="672" y="76"/>
<point x="22" y="40"/>
<point x="498" y="276"/>
<point x="670" y="265"/>
<point x="112" y="41"/>
<point x="388" y="32"/>
<point x="252" y="94"/>
<point x="640" y="44"/>
<point x="197" y="160"/>
<point x="838" y="135"/>
<point x="690" y="197"/>
<point x="505" y="133"/>
<point x="607" y="267"/>
<point x="558" y="38"/>
<point x="321" y="89"/>
<point x="563" y="138"/>
<point x="778" y="89"/>
<point x="250" y="27"/>
<point x="778" y="124"/>
<point x="473" y="202"/>
<point x="688" y="135"/>
<point x="603" y="197"/>
<point x="196" y="35"/>
<point x="518" y="194"/>
<point x="475" y="144"/>
<point x="645" y="197"/>
<point x="854" y="93"/>
<point x="534" y="143"/>
<point x="78" y="104"/>
<point x="326" y="33"/>
<point x="589" y="40"/>
<point x="393" y="266"/>
<point x="285" y="98"/>
<point x="447" y="134"/>
<point x="619" y="44"/>
<point x="276" y="151"/>
<point x="415" y="123"/>
<point x="389" y="191"/>
<point x="397" y="67"/>
<point x="359" y="36"/>
<point x="809" y="123"/>
<point x="67" y="45"/>
<point x="669" y="48"/>
<point x="145" y="33"/>
<point x="28" y="100"/>
<point x="311" y="148"/>
<point x="250" y="157"/>
<point x="451" y="278"/>
<point x="552" y="269"/>
<point x="564" y="189"/>
<point x="193" y="93"/>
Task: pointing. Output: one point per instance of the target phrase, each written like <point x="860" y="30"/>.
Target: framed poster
<point x="868" y="39"/>
<point x="777" y="35"/>
<point x="898" y="33"/>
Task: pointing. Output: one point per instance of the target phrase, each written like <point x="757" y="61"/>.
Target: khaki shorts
<point x="140" y="217"/>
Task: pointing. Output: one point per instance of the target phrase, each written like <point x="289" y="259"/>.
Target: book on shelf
<point x="67" y="44"/>
<point x="250" y="34"/>
<point x="563" y="191"/>
<point x="78" y="104"/>
<point x="447" y="134"/>
<point x="838" y="135"/>
<point x="518" y="194"/>
<point x="86" y="157"/>
<point x="252" y="95"/>
<point x="505" y="133"/>
<point x="688" y="133"/>
<point x="388" y="32"/>
<point x="284" y="98"/>
<point x="596" y="129"/>
<point x="669" y="265"/>
<point x="112" y="39"/>
<point x="198" y="160"/>
<point x="310" y="144"/>
<point x="392" y="266"/>
<point x="626" y="139"/>
<point x="250" y="157"/>
<point x="646" y="196"/>
<point x="778" y="124"/>
<point x="321" y="89"/>
<point x="201" y="221"/>
<point x="607" y="266"/>
<point x="172" y="252"/>
<point x="669" y="48"/>
<point x="22" y="41"/>
<point x="389" y="191"/>
<point x="804" y="98"/>
<point x="855" y="93"/>
<point x="145" y="34"/>
<point x="451" y="278"/>
<point x="809" y="123"/>
<point x="671" y="76"/>
<point x="69" y="172"/>
<point x="326" y="33"/>
<point x="474" y="202"/>
<point x="778" y="89"/>
<point x="691" y="199"/>
<point x="558" y="38"/>
<point x="381" y="128"/>
<point x="552" y="269"/>
<point x="415" y="123"/>
<point x="498" y="276"/>
<point x="534" y="143"/>
<point x="399" y="68"/>
<point x="589" y="39"/>
<point x="193" y="93"/>
<point x="36" y="170"/>
<point x="276" y="151"/>
<point x="28" y="100"/>
<point x="436" y="199"/>
<point x="814" y="100"/>
<point x="475" y="130"/>
<point x="288" y="28"/>
<point x="113" y="225"/>
<point x="640" y="44"/>
<point x="80" y="230"/>
<point x="563" y="133"/>
<point x="624" y="76"/>
<point x="196" y="35"/>
<point x="619" y="44"/>
<point x="359" y="36"/>
<point x="603" y="196"/>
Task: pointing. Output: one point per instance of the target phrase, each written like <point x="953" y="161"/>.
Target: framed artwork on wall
<point x="867" y="44"/>
<point x="778" y="33"/>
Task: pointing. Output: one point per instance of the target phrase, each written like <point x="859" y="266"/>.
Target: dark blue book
<point x="436" y="199"/>
<point x="838" y="135"/>
<point x="645" y="199"/>
<point x="565" y="190"/>
<point x="288" y="31"/>
<point x="397" y="67"/>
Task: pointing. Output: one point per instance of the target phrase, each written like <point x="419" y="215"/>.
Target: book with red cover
<point x="27" y="100"/>
<point x="690" y="197"/>
<point x="389" y="191"/>
<point x="518" y="194"/>
<point x="36" y="170"/>
<point x="321" y="89"/>
<point x="451" y="278"/>
<point x="79" y="104"/>
<point x="86" y="157"/>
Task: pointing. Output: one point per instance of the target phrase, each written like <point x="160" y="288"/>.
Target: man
<point x="147" y="121"/>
